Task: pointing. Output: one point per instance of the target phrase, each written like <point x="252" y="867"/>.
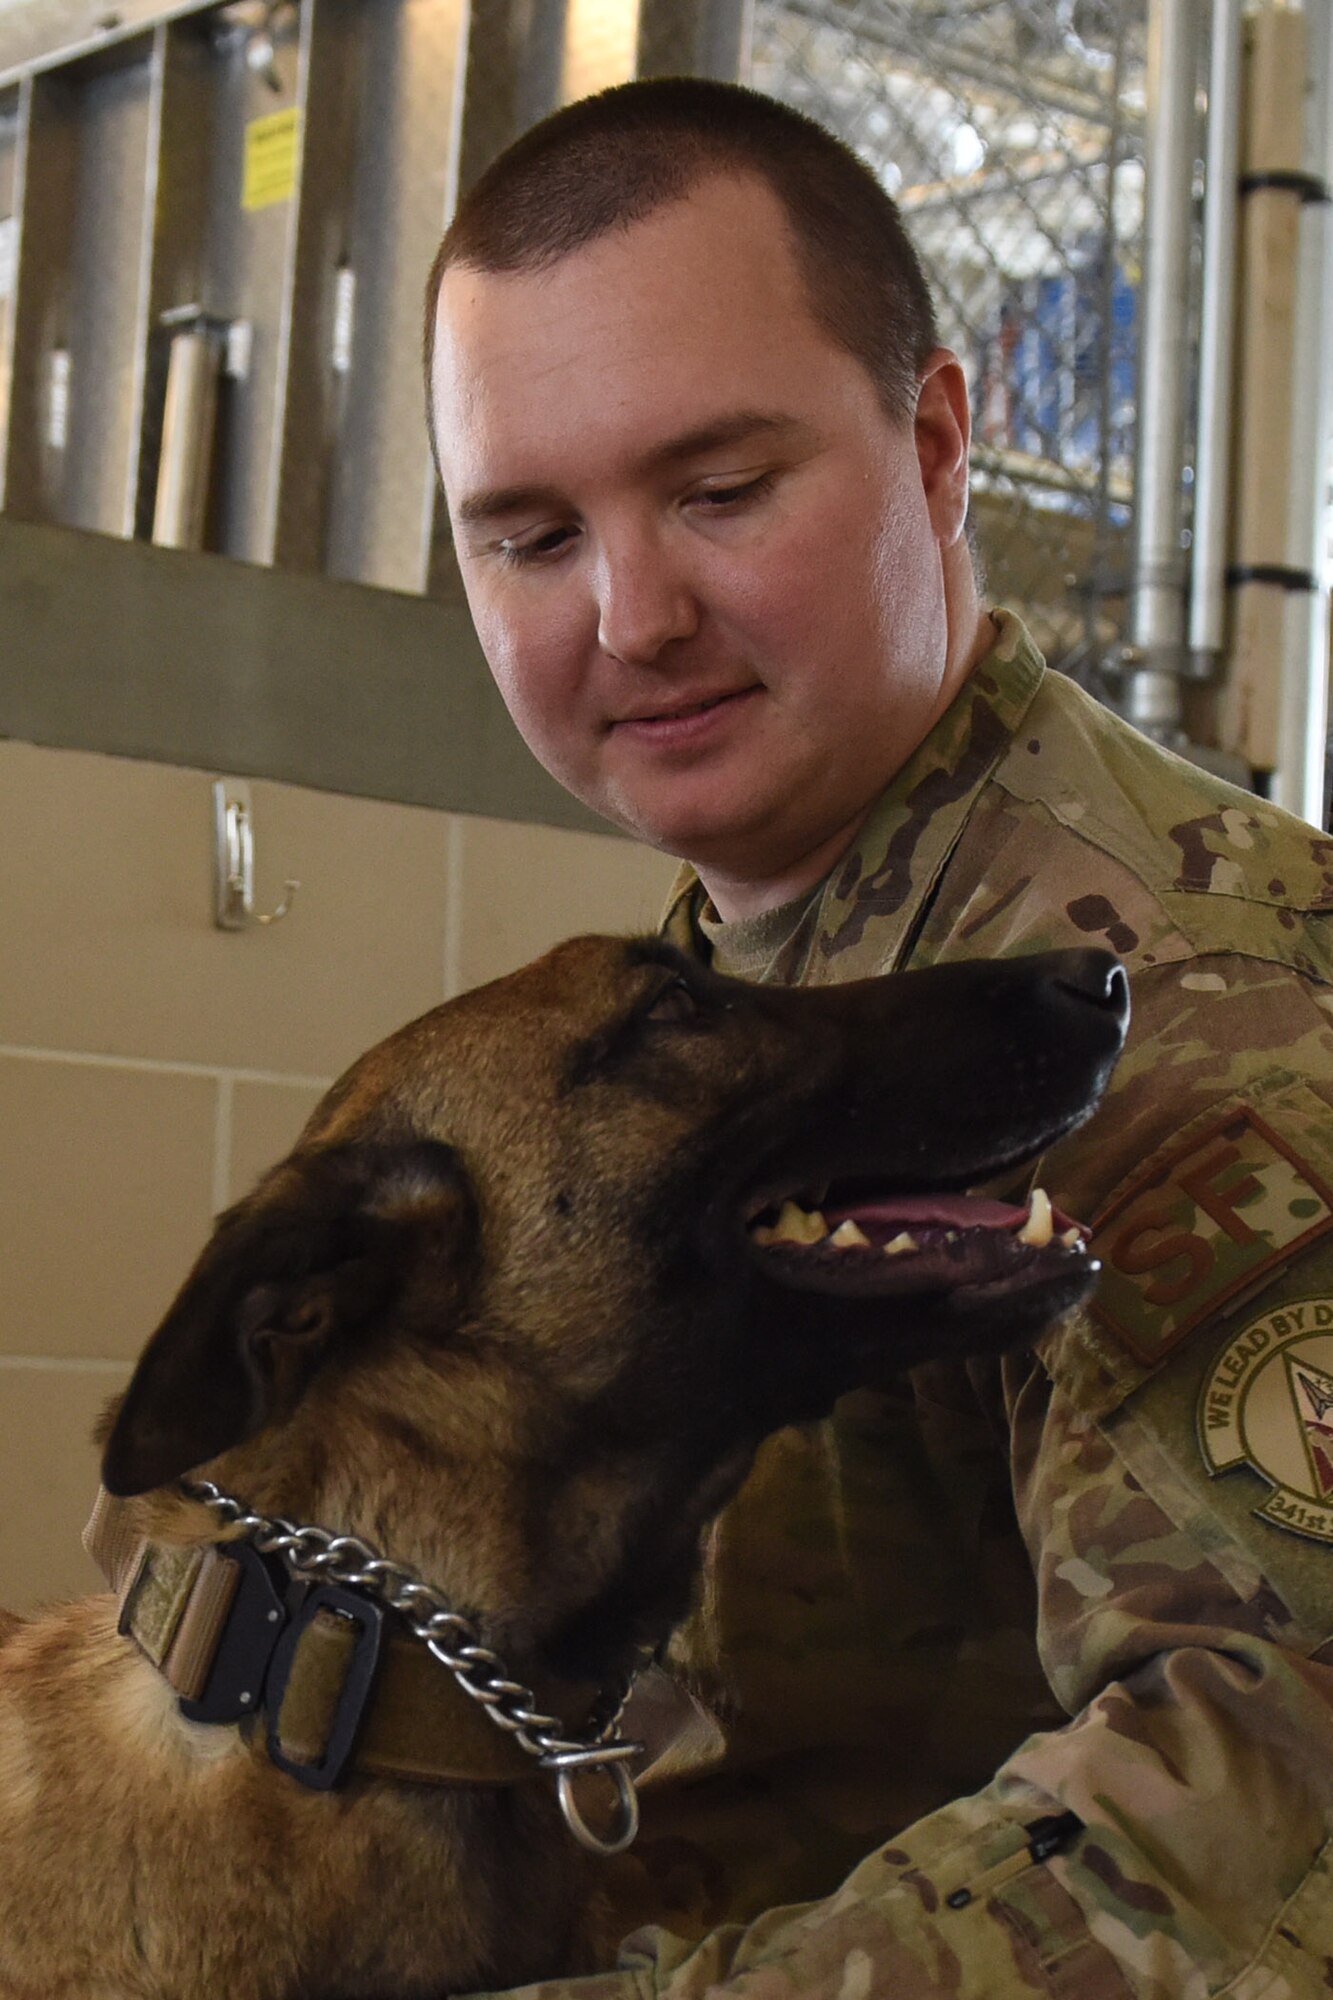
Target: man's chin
<point x="695" y="819"/>
<point x="746" y="865"/>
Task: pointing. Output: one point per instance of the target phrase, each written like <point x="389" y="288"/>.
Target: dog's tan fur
<point x="495" y="1314"/>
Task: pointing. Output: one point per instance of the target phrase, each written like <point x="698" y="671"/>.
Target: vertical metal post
<point x="32" y="478"/>
<point x="15" y="172"/>
<point x="381" y="516"/>
<point x="694" y="38"/>
<point x="133" y="471"/>
<point x="1270" y="413"/>
<point x="1299" y="779"/>
<point x="601" y="46"/>
<point x="188" y="427"/>
<point x="1157" y="612"/>
<point x="302" y="443"/>
<point x="1217" y="321"/>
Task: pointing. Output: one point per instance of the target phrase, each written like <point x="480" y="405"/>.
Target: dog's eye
<point x="675" y="1002"/>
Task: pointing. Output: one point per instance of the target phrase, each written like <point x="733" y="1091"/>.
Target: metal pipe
<point x="1217" y="316"/>
<point x="189" y="422"/>
<point x="1157" y="610"/>
<point x="1099" y="557"/>
<point x="1299" y="779"/>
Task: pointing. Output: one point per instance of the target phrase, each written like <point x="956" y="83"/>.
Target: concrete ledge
<point x="193" y="659"/>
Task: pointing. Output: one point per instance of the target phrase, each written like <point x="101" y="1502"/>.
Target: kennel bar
<point x="1157" y="608"/>
<point x="381" y="501"/>
<point x="1300" y="778"/>
<point x="1217" y="314"/>
<point x="1269" y="407"/>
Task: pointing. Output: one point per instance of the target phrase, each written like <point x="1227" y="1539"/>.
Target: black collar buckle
<point x="270" y="1614"/>
<point x="322" y="1773"/>
<point x="255" y="1623"/>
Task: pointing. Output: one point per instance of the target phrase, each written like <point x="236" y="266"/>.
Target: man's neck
<point x="735" y="896"/>
<point x="749" y="893"/>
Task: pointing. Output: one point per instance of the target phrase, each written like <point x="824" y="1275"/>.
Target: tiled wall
<point x="151" y="1065"/>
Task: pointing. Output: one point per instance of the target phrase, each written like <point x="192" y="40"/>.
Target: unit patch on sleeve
<point x="1268" y="1405"/>
<point x="1203" y="1222"/>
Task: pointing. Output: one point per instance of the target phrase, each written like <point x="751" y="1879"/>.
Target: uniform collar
<point x="887" y="877"/>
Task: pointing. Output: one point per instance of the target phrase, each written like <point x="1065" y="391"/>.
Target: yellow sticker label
<point x="272" y="156"/>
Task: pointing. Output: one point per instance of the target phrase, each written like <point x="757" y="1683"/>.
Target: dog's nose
<point x="1096" y="976"/>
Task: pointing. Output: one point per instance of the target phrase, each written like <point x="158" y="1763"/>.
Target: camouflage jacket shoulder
<point x="1213" y="868"/>
<point x="1031" y="815"/>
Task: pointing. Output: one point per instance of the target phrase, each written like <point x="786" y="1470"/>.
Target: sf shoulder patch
<point x="1205" y="1220"/>
<point x="1267" y="1405"/>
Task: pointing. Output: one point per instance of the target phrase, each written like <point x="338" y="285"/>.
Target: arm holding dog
<point x="1193" y="1651"/>
<point x="1166" y="1447"/>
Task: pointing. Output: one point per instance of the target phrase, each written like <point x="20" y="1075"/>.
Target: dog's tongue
<point x="927" y="1211"/>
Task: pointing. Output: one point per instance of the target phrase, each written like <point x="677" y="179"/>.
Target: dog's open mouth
<point x="917" y="1243"/>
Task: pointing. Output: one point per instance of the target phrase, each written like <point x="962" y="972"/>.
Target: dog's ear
<point x="290" y="1276"/>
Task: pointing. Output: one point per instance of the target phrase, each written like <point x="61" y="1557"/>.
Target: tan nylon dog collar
<point x="187" y="1607"/>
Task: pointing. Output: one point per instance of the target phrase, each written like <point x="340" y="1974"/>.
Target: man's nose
<point x="643" y="602"/>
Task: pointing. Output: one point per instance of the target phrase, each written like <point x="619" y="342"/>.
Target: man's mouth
<point x="683" y="713"/>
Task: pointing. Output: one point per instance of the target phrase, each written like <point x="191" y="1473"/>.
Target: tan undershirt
<point x="750" y="947"/>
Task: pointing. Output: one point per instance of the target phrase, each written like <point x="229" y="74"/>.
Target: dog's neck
<point x="570" y="1574"/>
<point x="331" y="1645"/>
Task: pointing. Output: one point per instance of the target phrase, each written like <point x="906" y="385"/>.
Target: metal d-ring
<point x="624" y="1826"/>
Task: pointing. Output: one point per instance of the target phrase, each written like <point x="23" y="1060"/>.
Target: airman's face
<point x="707" y="570"/>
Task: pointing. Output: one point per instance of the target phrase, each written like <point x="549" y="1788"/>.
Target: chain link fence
<point x="1010" y="134"/>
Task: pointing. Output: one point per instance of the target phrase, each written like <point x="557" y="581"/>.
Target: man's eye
<point x="719" y="498"/>
<point x="540" y="548"/>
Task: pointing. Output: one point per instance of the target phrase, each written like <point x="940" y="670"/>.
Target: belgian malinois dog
<point x="541" y="1272"/>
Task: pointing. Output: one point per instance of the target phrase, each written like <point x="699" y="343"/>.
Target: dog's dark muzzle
<point x="941" y="1078"/>
<point x="1091" y="979"/>
<point x="939" y="1084"/>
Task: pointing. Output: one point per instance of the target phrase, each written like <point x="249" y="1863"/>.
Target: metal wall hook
<point x="234" y="861"/>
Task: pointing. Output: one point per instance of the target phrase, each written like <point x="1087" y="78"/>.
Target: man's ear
<point x="943" y="430"/>
<point x="290" y="1276"/>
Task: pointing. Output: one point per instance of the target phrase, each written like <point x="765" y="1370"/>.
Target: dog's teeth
<point x="847" y="1235"/>
<point x="1039" y="1228"/>
<point x="1073" y="1239"/>
<point x="900" y="1245"/>
<point x="797" y="1225"/>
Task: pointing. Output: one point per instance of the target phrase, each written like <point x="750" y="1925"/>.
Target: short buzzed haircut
<point x="610" y="160"/>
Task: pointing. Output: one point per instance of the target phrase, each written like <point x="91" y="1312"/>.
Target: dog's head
<point x="522" y="1301"/>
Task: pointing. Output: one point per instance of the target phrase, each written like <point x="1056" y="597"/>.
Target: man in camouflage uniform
<point x="1018" y="1681"/>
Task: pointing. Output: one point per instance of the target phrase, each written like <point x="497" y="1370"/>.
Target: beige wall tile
<point x="48" y="1477"/>
<point x="523" y="888"/>
<point x="106" y="1180"/>
<point x="265" y="1121"/>
<point x="106" y="904"/>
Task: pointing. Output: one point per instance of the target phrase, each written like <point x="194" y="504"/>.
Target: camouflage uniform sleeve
<point x="1173" y="1468"/>
<point x="1200" y="1867"/>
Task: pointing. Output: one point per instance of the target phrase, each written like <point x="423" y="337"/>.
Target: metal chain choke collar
<point x="455" y="1642"/>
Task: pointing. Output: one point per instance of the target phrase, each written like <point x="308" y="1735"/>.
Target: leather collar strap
<point x="343" y="1692"/>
